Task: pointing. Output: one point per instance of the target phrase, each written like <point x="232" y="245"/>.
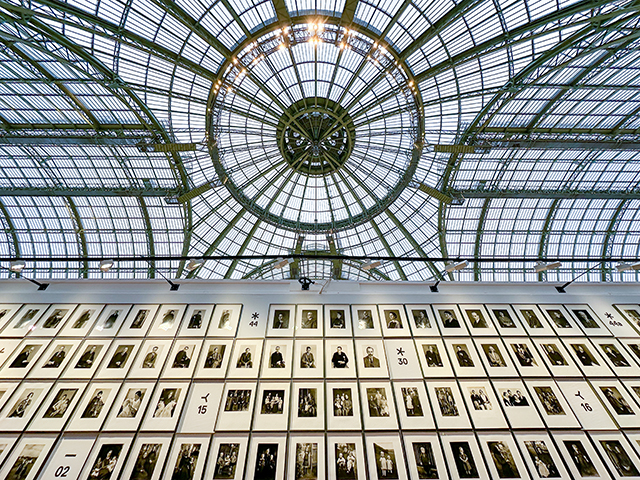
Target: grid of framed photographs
<point x="330" y="391"/>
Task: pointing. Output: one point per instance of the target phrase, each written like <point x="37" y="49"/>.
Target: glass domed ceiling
<point x="366" y="128"/>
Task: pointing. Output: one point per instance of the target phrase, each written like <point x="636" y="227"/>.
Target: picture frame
<point x="24" y="320"/>
<point x="586" y="406"/>
<point x="166" y="406"/>
<point x="448" y="408"/>
<point x="403" y="360"/>
<point x="6" y="390"/>
<point x="102" y="455"/>
<point x="581" y="458"/>
<point x="236" y="407"/>
<point x="506" y="320"/>
<point x="110" y="320"/>
<point x="393" y="321"/>
<point x="345" y="457"/>
<point x="272" y="407"/>
<point x="343" y="405"/>
<point x="23" y="358"/>
<point x="385" y="457"/>
<point x="118" y="360"/>
<point x="478" y="320"/>
<point x="57" y="407"/>
<point x="277" y="359"/>
<point x="618" y="402"/>
<point x="587" y="357"/>
<point x="424" y="456"/>
<point x="378" y="406"/>
<point x="82" y="320"/>
<point x="225" y="320"/>
<point x="616" y="356"/>
<point x="560" y="320"/>
<point x="632" y="346"/>
<point x="227" y="457"/>
<point x="28" y="455"/>
<point x="214" y="359"/>
<point x="201" y="407"/>
<point x="138" y="320"/>
<point x="556" y="357"/>
<point x="503" y="457"/>
<point x="281" y="320"/>
<point x="196" y="321"/>
<point x="7" y="348"/>
<point x="482" y="404"/>
<point x="517" y="404"/>
<point x="184" y="357"/>
<point x="130" y="405"/>
<point x="541" y="455"/>
<point x="463" y="456"/>
<point x="167" y="321"/>
<point x="94" y="407"/>
<point x="552" y="406"/>
<point x="147" y="457"/>
<point x="152" y="356"/>
<point x="365" y="321"/>
<point x="434" y="358"/>
<point x="87" y="359"/>
<point x="22" y="405"/>
<point x="69" y="456"/>
<point x="339" y="358"/>
<point x="525" y="357"/>
<point x="55" y="359"/>
<point x="464" y="357"/>
<point x="422" y="321"/>
<point x="532" y="319"/>
<point x="7" y="312"/>
<point x="588" y="320"/>
<point x="245" y="361"/>
<point x="53" y="319"/>
<point x="621" y="459"/>
<point x="306" y="457"/>
<point x="495" y="358"/>
<point x="449" y="320"/>
<point x="630" y="319"/>
<point x="187" y="457"/>
<point x="337" y="321"/>
<point x="307" y="406"/>
<point x="266" y="456"/>
<point x="308" y="358"/>
<point x="309" y="321"/>
<point x="371" y="359"/>
<point x="414" y="409"/>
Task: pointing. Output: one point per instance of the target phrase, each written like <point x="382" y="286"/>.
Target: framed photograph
<point x="266" y="457"/>
<point x="463" y="456"/>
<point x="495" y="357"/>
<point x="403" y="359"/>
<point x="502" y="456"/>
<point x="196" y="321"/>
<point x="81" y="321"/>
<point x="337" y="319"/>
<point x="110" y="321"/>
<point x="618" y="401"/>
<point x="386" y="459"/>
<point x="129" y="406"/>
<point x="147" y="457"/>
<point x="506" y="320"/>
<point x="119" y="358"/>
<point x="187" y="458"/>
<point x="88" y="357"/>
<point x="449" y="320"/>
<point x="277" y="359"/>
<point x="55" y="359"/>
<point x="581" y="458"/>
<point x="281" y="320"/>
<point x="308" y="358"/>
<point x="552" y="406"/>
<point x="424" y="456"/>
<point x="378" y="406"/>
<point x="525" y="357"/>
<point x="167" y="321"/>
<point x="7" y="348"/>
<point x="6" y="389"/>
<point x="423" y="323"/>
<point x="413" y="406"/>
<point x="201" y="408"/>
<point x="433" y="357"/>
<point x="478" y="320"/>
<point x="22" y="405"/>
<point x="107" y="457"/>
<point x="224" y="322"/>
<point x="236" y="407"/>
<point x="57" y="407"/>
<point x="272" y="407"/>
<point x="533" y="321"/>
<point x="309" y="321"/>
<point x="27" y="457"/>
<point x="7" y="311"/>
<point x="586" y="406"/>
<point x="371" y="359"/>
<point x="541" y="456"/>
<point x="560" y="320"/>
<point x="345" y="457"/>
<point x="69" y="456"/>
<point x="447" y="405"/>
<point x="24" y="320"/>
<point x="307" y="406"/>
<point x="482" y="404"/>
<point x="615" y="355"/>
<point x="94" y="407"/>
<point x="227" y="457"/>
<point x="633" y="346"/>
<point x="138" y="321"/>
<point x="339" y="359"/>
<point x="465" y="359"/>
<point x="151" y="358"/>
<point x="394" y="321"/>
<point x="53" y="320"/>
<point x="365" y="321"/>
<point x="343" y="406"/>
<point x="517" y="404"/>
<point x="183" y="358"/>
<point x="588" y="320"/>
<point x="556" y="357"/>
<point x="166" y="405"/>
<point x="214" y="359"/>
<point x="24" y="358"/>
<point x="245" y="361"/>
<point x="622" y="460"/>
<point x="306" y="457"/>
<point x="630" y="321"/>
<point x="586" y="357"/>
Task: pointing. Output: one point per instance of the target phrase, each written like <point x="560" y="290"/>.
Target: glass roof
<point x="359" y="127"/>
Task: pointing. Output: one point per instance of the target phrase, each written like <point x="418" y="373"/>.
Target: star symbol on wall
<point x="400" y="351"/>
<point x="255" y="315"/>
<point x="608" y="315"/>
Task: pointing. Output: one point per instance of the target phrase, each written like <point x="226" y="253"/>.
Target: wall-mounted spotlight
<point x="106" y="265"/>
<point x="453" y="266"/>
<point x="544" y="266"/>
<point x="371" y="264"/>
<point x="194" y="263"/>
<point x="282" y="262"/>
<point x="17" y="266"/>
<point x="623" y="267"/>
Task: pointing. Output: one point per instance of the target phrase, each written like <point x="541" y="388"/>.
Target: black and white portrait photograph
<point x="195" y="320"/>
<point x="58" y="356"/>
<point x="585" y="318"/>
<point x="131" y="403"/>
<point x="187" y="461"/>
<point x="215" y="356"/>
<point x="619" y="458"/>
<point x="225" y="320"/>
<point x="245" y="359"/>
<point x="377" y="402"/>
<point x="635" y="348"/>
<point x="342" y="402"/>
<point x="25" y="318"/>
<point x="370" y="358"/>
<point x="549" y="401"/>
<point x="237" y="401"/>
<point x="479" y="398"/>
<point x="183" y="356"/>
<point x="140" y="319"/>
<point x="386" y="464"/>
<point x="421" y="318"/>
<point x="614" y="355"/>
<point x="584" y="355"/>
<point x="541" y="459"/>
<point x="513" y="398"/>
<point x="337" y="319"/>
<point x="276" y="359"/>
<point x="309" y="319"/>
<point x="89" y="356"/>
<point x="120" y="356"/>
<point x="55" y="318"/>
<point x="617" y="401"/>
<point x="432" y="355"/>
<point x="633" y="315"/>
<point x="25" y="403"/>
<point x="25" y="461"/>
<point x="476" y="319"/>
<point x="523" y="355"/>
<point x="26" y="355"/>
<point x="425" y="460"/>
<point x="272" y="402"/>
<point x="346" y="461"/>
<point x="504" y="318"/>
<point x="166" y="406"/>
<point x="266" y="461"/>
<point x="307" y="402"/>
<point x="281" y="319"/>
<point x="411" y="401"/>
<point x="462" y="355"/>
<point x="105" y="462"/>
<point x="151" y="357"/>
<point x="146" y="461"/>
<point x="553" y="354"/>
<point x="449" y="319"/>
<point x="503" y="460"/>
<point x="82" y="321"/>
<point x="226" y="460"/>
<point x="531" y="318"/>
<point x="465" y="464"/>
<point x="339" y="358"/>
<point x="111" y="319"/>
<point x="393" y="319"/>
<point x="308" y="357"/>
<point x="60" y="403"/>
<point x="306" y="461"/>
<point x="168" y="318"/>
<point x="493" y="354"/>
<point x="558" y="318"/>
<point x="95" y="405"/>
<point x="580" y="458"/>
<point x="447" y="403"/>
<point x="365" y="319"/>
